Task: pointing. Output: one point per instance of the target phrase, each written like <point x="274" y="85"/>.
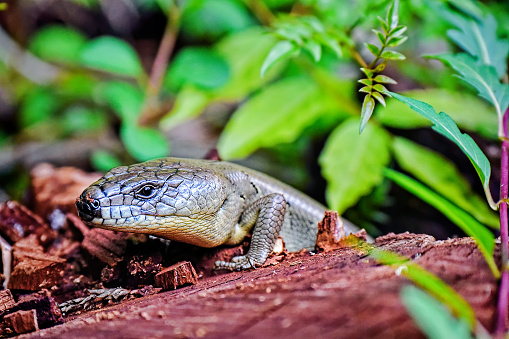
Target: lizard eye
<point x="146" y="192"/>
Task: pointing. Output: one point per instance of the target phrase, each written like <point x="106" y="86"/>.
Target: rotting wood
<point x="17" y="222"/>
<point x="22" y="321"/>
<point x="57" y="188"/>
<point x="48" y="313"/>
<point x="6" y="300"/>
<point x="177" y="275"/>
<point x="107" y="246"/>
<point x="331" y="232"/>
<point x="32" y="268"/>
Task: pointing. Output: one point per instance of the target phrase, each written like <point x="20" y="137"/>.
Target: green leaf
<point x="380" y="88"/>
<point x="314" y="48"/>
<point x="368" y="72"/>
<point x="245" y="53"/>
<point x="278" y="114"/>
<point x="393" y="55"/>
<point x="442" y="175"/>
<point x="483" y="237"/>
<point x="58" y="44"/>
<point x="368" y="105"/>
<point x="39" y="104"/>
<point x="397" y="31"/>
<point x="214" y="18"/>
<point x="80" y="119"/>
<point x="443" y="124"/>
<point x="479" y="39"/>
<point x="384" y="79"/>
<point x="482" y="78"/>
<point x="144" y="143"/>
<point x="380" y="36"/>
<point x="366" y="89"/>
<point x="398" y="41"/>
<point x="367" y="82"/>
<point x="331" y="43"/>
<point x="468" y="111"/>
<point x="373" y="49"/>
<point x="125" y="99"/>
<point x="112" y="55"/>
<point x="103" y="161"/>
<point x="352" y="172"/>
<point x="435" y="320"/>
<point x="281" y="51"/>
<point x="393" y="15"/>
<point x="197" y="66"/>
<point x="379" y="97"/>
<point x="77" y="86"/>
<point x="189" y="103"/>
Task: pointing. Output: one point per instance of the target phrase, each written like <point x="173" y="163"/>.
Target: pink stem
<point x="503" y="294"/>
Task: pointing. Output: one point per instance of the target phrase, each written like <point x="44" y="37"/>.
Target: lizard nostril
<point x="94" y="204"/>
<point x="87" y="208"/>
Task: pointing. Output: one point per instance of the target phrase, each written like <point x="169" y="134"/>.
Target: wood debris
<point x="177" y="275"/>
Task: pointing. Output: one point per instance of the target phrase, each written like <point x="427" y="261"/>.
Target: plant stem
<point x="503" y="293"/>
<point x="159" y="66"/>
<point x="261" y="11"/>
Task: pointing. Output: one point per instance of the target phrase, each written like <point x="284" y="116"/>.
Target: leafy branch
<point x="306" y="33"/>
<point x="482" y="66"/>
<point x="390" y="36"/>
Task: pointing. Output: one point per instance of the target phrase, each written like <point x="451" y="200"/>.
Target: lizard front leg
<point x="267" y="213"/>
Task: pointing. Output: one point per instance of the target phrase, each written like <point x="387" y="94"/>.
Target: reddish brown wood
<point x="107" y="246"/>
<point x="48" y="313"/>
<point x="22" y="321"/>
<point x="34" y="269"/>
<point x="331" y="232"/>
<point x="338" y="294"/>
<point x="57" y="188"/>
<point x="6" y="300"/>
<point x="180" y="274"/>
<point x="17" y="222"/>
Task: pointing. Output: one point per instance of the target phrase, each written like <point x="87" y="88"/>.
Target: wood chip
<point x="6" y="300"/>
<point x="22" y="321"/>
<point x="48" y="313"/>
<point x="34" y="269"/>
<point x="331" y="234"/>
<point x="57" y="188"/>
<point x="177" y="275"/>
<point x="107" y="246"/>
<point x="17" y="222"/>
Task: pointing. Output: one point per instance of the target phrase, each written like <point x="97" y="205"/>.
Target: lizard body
<point x="205" y="203"/>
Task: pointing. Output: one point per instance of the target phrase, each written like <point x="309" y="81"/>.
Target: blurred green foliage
<point x="288" y="70"/>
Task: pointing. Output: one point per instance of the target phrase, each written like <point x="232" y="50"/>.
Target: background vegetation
<point x="284" y="86"/>
<point x="120" y="82"/>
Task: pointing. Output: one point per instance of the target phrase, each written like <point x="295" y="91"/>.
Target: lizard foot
<point x="242" y="262"/>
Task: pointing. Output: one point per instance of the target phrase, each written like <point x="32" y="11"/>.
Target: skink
<point x="205" y="203"/>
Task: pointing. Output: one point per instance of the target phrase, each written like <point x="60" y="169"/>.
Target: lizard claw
<point x="238" y="263"/>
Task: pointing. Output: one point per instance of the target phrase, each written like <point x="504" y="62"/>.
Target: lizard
<point x="205" y="203"/>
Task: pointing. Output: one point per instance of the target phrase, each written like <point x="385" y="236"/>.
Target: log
<point x="177" y="275"/>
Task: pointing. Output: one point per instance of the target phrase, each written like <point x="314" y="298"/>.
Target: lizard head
<point x="145" y="196"/>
